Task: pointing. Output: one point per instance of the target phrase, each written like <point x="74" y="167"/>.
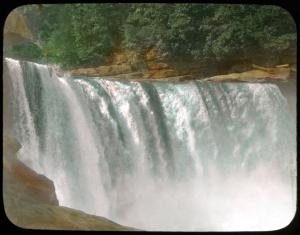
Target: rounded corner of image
<point x="288" y="12"/>
<point x="287" y="225"/>
<point x="10" y="221"/>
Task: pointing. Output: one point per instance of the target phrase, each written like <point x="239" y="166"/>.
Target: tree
<point x="75" y="35"/>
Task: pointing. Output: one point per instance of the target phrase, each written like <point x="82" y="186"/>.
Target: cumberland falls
<point x="190" y="156"/>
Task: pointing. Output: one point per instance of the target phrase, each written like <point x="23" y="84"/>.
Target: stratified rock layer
<point x="150" y="65"/>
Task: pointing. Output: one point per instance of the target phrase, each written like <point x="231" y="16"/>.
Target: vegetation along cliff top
<point x="156" y="41"/>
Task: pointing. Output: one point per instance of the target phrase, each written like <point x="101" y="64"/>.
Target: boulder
<point x="39" y="187"/>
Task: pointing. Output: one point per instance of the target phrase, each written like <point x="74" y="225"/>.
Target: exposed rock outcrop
<point x="30" y="202"/>
<point x="43" y="216"/>
<point x="151" y="65"/>
<point x="35" y="188"/>
<point x="136" y="66"/>
<point x="16" y="29"/>
<point x="279" y="73"/>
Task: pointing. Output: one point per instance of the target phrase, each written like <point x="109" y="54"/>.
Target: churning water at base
<point x="160" y="156"/>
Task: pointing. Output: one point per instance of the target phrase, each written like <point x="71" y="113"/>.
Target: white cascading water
<point x="193" y="156"/>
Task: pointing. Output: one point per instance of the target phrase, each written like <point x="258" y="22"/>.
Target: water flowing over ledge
<point x="158" y="156"/>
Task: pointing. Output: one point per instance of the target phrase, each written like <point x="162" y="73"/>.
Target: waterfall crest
<point x="159" y="156"/>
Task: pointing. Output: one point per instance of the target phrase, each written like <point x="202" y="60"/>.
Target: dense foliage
<point x="84" y="34"/>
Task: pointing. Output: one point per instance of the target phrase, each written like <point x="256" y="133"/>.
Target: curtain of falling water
<point x="160" y="156"/>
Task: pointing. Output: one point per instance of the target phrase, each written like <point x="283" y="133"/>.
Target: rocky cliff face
<point x="150" y="64"/>
<point x="30" y="202"/>
<point x="261" y="74"/>
<point x="16" y="29"/>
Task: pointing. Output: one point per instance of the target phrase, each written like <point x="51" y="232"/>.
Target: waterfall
<point x="191" y="156"/>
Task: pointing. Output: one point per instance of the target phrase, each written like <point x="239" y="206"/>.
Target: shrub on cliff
<point x="25" y="51"/>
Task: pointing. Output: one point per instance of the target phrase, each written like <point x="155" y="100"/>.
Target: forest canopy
<point x="78" y="35"/>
